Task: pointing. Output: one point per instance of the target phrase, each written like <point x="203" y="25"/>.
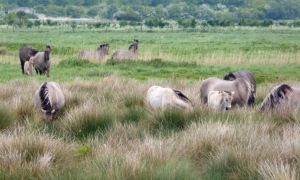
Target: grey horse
<point x="42" y="61"/>
<point x="49" y="99"/>
<point x="282" y="98"/>
<point x="25" y="53"/>
<point x="242" y="74"/>
<point x="243" y="92"/>
<point x="97" y="55"/>
<point x="127" y="54"/>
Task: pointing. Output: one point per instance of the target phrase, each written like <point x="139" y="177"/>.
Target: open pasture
<point x="106" y="131"/>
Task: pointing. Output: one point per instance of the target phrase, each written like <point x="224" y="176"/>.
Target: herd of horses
<point x="30" y="57"/>
<point x="235" y="90"/>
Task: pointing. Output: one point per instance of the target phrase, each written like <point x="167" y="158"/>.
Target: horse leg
<point x="48" y="72"/>
<point x="22" y="66"/>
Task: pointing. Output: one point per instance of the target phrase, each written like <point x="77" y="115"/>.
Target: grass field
<point x="106" y="131"/>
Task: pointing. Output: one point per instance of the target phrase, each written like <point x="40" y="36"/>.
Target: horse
<point x="242" y="74"/>
<point x="282" y="98"/>
<point x="42" y="61"/>
<point x="97" y="55"/>
<point x="161" y="98"/>
<point x="49" y="99"/>
<point x="28" y="66"/>
<point x="220" y="99"/>
<point x="243" y="92"/>
<point x="127" y="54"/>
<point x="25" y="53"/>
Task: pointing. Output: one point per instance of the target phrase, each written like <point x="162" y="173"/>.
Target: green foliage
<point x="155" y="22"/>
<point x="128" y="16"/>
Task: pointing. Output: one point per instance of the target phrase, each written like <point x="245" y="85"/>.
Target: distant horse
<point x="42" y="61"/>
<point x="242" y="74"/>
<point x="243" y="92"/>
<point x="49" y="99"/>
<point x="28" y="66"/>
<point x="220" y="99"/>
<point x="127" y="54"/>
<point x="25" y="53"/>
<point x="161" y="98"/>
<point x="283" y="98"/>
<point x="97" y="55"/>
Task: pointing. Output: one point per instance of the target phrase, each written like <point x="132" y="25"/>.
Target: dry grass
<point x="118" y="137"/>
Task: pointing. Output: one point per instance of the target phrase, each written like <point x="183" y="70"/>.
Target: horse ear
<point x="53" y="111"/>
<point x="232" y="92"/>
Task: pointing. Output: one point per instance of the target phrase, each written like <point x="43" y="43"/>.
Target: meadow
<point x="106" y="130"/>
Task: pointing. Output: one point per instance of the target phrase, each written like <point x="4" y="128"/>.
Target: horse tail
<point x="183" y="97"/>
<point x="273" y="98"/>
<point x="229" y="77"/>
<point x="45" y="101"/>
<point x="250" y="92"/>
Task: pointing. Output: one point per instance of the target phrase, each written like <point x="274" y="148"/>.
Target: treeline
<point x="140" y="10"/>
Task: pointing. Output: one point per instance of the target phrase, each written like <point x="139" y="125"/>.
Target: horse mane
<point x="44" y="96"/>
<point x="228" y="92"/>
<point x="273" y="98"/>
<point x="182" y="96"/>
<point x="229" y="77"/>
<point x="33" y="52"/>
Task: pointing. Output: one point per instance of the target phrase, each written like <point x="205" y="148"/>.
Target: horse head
<point x="226" y="99"/>
<point x="47" y="52"/>
<point x="229" y="77"/>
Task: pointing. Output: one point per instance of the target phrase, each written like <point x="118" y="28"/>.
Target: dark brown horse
<point x="25" y="53"/>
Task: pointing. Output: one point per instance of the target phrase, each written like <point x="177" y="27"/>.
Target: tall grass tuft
<point x="25" y="154"/>
<point x="86" y="121"/>
<point x="7" y="117"/>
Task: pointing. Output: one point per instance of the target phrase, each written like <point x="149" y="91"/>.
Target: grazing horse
<point x="28" y="66"/>
<point x="42" y="61"/>
<point x="97" y="55"/>
<point x="49" y="99"/>
<point x="242" y="74"/>
<point x="25" y="53"/>
<point x="282" y="98"/>
<point x="220" y="99"/>
<point x="127" y="54"/>
<point x="243" y="92"/>
<point x="161" y="98"/>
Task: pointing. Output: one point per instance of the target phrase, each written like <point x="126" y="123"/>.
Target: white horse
<point x="49" y="99"/>
<point x="220" y="99"/>
<point x="161" y="98"/>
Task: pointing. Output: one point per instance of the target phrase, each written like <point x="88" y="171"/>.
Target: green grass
<point x="106" y="130"/>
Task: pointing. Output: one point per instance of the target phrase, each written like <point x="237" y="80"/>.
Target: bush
<point x="129" y="16"/>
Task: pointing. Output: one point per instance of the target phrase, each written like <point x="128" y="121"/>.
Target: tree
<point x="21" y="16"/>
<point x="37" y="23"/>
<point x="11" y="19"/>
<point x="90" y="2"/>
<point x="73" y="25"/>
<point x="175" y="11"/>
